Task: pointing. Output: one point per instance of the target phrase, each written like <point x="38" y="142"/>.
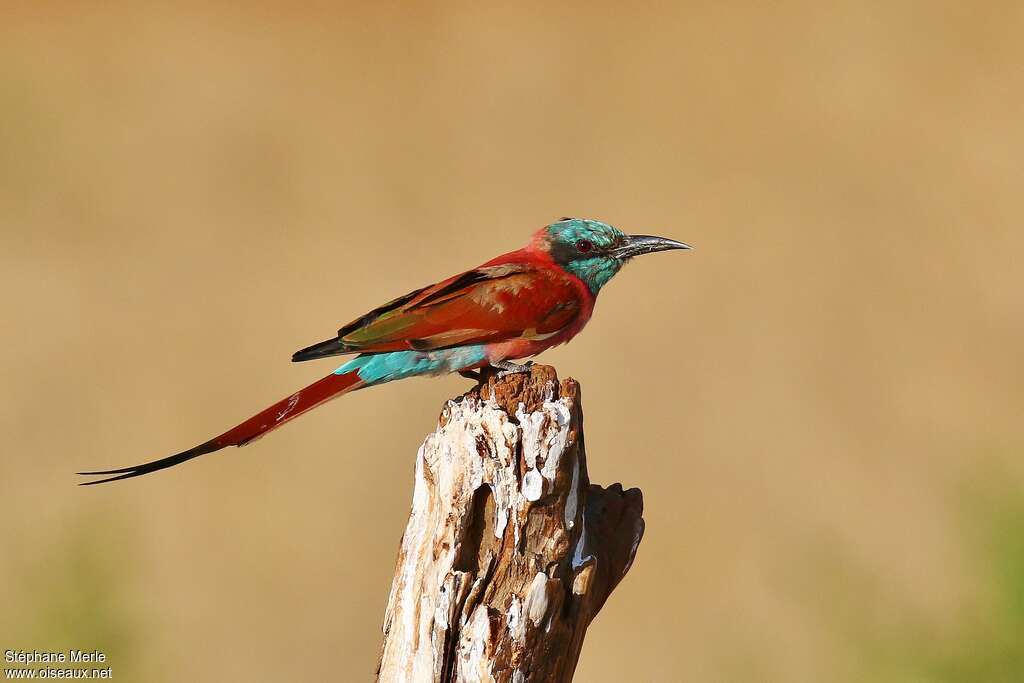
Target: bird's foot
<point x="473" y="375"/>
<point x="505" y="367"/>
<point x="497" y="369"/>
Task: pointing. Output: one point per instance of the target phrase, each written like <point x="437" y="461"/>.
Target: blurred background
<point x="821" y="403"/>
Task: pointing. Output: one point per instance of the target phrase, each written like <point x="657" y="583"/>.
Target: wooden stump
<point x="509" y="552"/>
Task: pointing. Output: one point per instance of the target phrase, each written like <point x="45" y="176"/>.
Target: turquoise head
<point x="594" y="251"/>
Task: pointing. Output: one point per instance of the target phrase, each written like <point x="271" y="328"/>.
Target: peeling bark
<point x="509" y="552"/>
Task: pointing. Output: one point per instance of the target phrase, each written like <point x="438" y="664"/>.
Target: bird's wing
<point x="487" y="304"/>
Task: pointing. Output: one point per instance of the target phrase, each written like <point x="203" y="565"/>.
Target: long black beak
<point x="637" y="245"/>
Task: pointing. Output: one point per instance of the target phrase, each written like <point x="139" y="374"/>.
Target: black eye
<point x="584" y="246"/>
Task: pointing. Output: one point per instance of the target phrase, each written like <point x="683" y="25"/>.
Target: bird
<point x="512" y="307"/>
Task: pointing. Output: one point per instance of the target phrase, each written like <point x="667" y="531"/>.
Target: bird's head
<point x="594" y="251"/>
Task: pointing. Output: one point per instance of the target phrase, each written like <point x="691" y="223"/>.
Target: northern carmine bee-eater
<point x="514" y="306"/>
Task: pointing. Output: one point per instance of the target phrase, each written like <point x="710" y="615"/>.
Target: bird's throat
<point x="595" y="272"/>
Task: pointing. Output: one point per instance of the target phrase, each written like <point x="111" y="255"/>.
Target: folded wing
<point x="488" y="304"/>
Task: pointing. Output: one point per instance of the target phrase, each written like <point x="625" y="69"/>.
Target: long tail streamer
<point x="256" y="426"/>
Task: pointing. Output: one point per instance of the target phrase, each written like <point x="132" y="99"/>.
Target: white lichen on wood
<point x="509" y="552"/>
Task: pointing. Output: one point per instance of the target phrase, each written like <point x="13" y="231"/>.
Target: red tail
<point x="256" y="426"/>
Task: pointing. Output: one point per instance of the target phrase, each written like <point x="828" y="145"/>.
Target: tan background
<point x="822" y="403"/>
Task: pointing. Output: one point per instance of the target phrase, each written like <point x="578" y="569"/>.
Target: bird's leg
<point x="471" y="374"/>
<point x="505" y="367"/>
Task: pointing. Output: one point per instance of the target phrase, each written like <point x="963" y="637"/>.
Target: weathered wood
<point x="509" y="552"/>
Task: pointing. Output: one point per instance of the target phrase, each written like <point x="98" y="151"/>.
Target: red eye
<point x="584" y="246"/>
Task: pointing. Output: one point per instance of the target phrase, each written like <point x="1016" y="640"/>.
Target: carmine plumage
<point x="511" y="307"/>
